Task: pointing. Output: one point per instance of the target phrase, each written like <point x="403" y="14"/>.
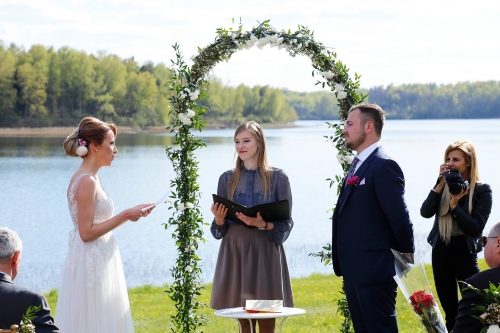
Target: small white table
<point x="239" y="313"/>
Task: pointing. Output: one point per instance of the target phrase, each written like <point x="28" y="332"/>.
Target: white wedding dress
<point x="93" y="295"/>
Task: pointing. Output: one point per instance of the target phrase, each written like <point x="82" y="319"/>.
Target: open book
<point x="263" y="305"/>
<point x="270" y="212"/>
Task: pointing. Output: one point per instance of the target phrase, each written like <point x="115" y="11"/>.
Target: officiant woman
<point x="458" y="225"/>
<point x="251" y="264"/>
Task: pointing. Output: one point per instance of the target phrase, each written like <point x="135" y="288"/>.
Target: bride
<point x="93" y="294"/>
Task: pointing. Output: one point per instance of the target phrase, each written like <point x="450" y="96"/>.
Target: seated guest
<point x="14" y="300"/>
<point x="465" y="323"/>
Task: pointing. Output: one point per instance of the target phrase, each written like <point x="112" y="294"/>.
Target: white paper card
<point x="162" y="199"/>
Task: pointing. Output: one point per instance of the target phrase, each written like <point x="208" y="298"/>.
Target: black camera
<point x="455" y="181"/>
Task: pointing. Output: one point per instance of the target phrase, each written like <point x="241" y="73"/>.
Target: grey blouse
<point x="249" y="193"/>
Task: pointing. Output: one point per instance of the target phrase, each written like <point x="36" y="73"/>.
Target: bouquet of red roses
<point x="426" y="308"/>
<point x="412" y="281"/>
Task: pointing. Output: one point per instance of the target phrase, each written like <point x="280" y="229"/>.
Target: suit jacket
<point x="370" y="218"/>
<point x="14" y="301"/>
<point x="464" y="323"/>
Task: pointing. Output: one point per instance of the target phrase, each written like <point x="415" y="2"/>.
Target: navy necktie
<point x="352" y="168"/>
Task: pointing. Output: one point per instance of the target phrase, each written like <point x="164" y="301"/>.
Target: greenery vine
<point x="188" y="86"/>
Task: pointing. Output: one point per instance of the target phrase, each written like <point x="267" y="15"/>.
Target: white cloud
<point x="385" y="41"/>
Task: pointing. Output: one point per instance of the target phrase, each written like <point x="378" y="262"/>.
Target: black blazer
<point x="472" y="225"/>
<point x="464" y="322"/>
<point x="370" y="218"/>
<point x="14" y="301"/>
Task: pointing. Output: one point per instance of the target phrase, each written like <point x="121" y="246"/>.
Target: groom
<point x="369" y="220"/>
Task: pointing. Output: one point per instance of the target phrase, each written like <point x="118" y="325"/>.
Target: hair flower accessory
<point x="82" y="149"/>
<point x="353" y="180"/>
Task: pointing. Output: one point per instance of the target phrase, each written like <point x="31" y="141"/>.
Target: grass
<point x="151" y="307"/>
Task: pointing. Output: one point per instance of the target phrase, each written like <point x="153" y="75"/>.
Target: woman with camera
<point x="461" y="206"/>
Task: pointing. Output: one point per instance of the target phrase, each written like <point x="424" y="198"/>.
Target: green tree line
<point x="432" y="101"/>
<point x="47" y="87"/>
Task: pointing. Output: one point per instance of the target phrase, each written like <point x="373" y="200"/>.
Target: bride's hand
<point x="135" y="213"/>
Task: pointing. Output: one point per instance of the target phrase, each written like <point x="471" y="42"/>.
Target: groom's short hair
<point x="371" y="112"/>
<point x="10" y="243"/>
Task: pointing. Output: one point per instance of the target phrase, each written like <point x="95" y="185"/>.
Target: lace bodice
<point x="104" y="207"/>
<point x="96" y="253"/>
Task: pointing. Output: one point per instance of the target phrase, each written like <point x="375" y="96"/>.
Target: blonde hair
<point x="445" y="219"/>
<point x="90" y="129"/>
<point x="262" y="163"/>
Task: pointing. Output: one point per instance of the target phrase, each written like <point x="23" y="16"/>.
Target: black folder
<point x="270" y="212"/>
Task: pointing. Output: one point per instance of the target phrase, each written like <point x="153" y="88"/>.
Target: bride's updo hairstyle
<point x="90" y="130"/>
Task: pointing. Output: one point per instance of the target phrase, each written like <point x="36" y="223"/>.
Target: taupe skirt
<point x="250" y="266"/>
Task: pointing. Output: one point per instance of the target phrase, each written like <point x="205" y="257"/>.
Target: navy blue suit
<point x="464" y="322"/>
<point x="370" y="218"/>
<point x="15" y="300"/>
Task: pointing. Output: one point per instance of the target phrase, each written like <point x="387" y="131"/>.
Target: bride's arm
<point x="85" y="198"/>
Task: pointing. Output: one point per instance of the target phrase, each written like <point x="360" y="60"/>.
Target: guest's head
<point x="250" y="145"/>
<point x="363" y="126"/>
<point x="491" y="245"/>
<point x="10" y="252"/>
<point x="93" y="139"/>
<point x="461" y="156"/>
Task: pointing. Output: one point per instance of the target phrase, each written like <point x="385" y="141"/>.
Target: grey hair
<point x="10" y="243"/>
<point x="495" y="230"/>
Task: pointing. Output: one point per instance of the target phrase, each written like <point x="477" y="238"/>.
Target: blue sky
<point x="386" y="41"/>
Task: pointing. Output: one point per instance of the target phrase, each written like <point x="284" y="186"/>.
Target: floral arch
<point x="189" y="85"/>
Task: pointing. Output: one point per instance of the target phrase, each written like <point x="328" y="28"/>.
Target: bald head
<point x="492" y="247"/>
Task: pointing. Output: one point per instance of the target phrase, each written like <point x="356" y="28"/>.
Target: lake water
<point x="34" y="175"/>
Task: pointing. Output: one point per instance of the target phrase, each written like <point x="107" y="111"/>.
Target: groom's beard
<point x="354" y="144"/>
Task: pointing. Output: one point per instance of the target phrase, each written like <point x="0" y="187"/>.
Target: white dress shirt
<point x="365" y="153"/>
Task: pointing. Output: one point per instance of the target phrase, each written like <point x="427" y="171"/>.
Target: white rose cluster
<point x="276" y="40"/>
<point x="193" y="95"/>
<point x="345" y="159"/>
<point x="327" y="75"/>
<point x="181" y="206"/>
<point x="341" y="93"/>
<point x="185" y="118"/>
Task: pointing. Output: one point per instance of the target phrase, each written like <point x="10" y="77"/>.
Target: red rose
<point x="417" y="309"/>
<point x="417" y="296"/>
<point x="428" y="301"/>
<point x="352" y="180"/>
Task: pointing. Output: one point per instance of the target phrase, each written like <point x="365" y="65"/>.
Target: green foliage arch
<point x="189" y="85"/>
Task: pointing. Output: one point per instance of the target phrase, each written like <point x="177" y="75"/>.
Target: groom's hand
<point x="410" y="258"/>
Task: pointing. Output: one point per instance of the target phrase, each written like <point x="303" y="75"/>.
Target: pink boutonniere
<point x="353" y="180"/>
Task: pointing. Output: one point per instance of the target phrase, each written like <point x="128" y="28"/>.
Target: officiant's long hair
<point x="90" y="130"/>
<point x="445" y="219"/>
<point x="263" y="164"/>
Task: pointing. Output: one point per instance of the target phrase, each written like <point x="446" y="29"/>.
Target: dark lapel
<point x="5" y="278"/>
<point x="349" y="188"/>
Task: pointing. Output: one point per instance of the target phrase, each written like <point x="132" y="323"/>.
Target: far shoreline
<point x="65" y="131"/>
